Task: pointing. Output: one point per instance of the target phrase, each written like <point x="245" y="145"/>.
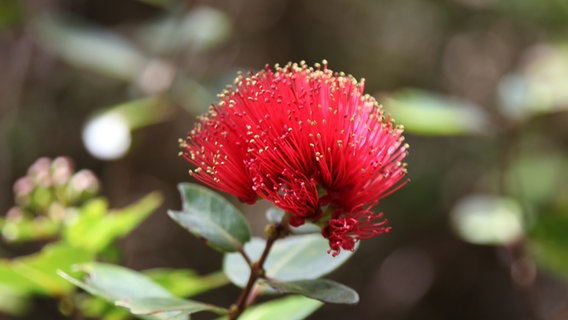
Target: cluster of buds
<point x="51" y="191"/>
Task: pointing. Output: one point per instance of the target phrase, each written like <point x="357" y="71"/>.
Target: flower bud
<point x="61" y="170"/>
<point x="83" y="186"/>
<point x="23" y="189"/>
<point x="40" y="172"/>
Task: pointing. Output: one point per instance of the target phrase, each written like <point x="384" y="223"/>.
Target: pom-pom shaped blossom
<point x="308" y="140"/>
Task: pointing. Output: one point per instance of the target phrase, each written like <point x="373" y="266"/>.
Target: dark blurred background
<point x="481" y="86"/>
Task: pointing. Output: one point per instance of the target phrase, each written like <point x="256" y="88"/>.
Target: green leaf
<point x="115" y="283"/>
<point x="425" y="113"/>
<point x="208" y="215"/>
<point x="91" y="47"/>
<point x="321" y="289"/>
<point x="95" y="229"/>
<point x="289" y="308"/>
<point x="185" y="282"/>
<point x="135" y="291"/>
<point x="36" y="273"/>
<point x="154" y="306"/>
<point x="293" y="258"/>
<point x="29" y="229"/>
<point x="140" y="113"/>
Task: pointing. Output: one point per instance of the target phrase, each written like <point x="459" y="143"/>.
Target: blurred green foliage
<point x="56" y="204"/>
<point x="293" y="266"/>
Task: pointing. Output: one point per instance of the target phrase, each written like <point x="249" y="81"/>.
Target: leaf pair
<point x="293" y="265"/>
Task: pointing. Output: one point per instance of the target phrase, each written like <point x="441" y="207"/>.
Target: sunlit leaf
<point x="289" y="308"/>
<point x="95" y="228"/>
<point x="208" y="215"/>
<point x="427" y="113"/>
<point x="185" y="282"/>
<point x="29" y="229"/>
<point x="140" y="113"/>
<point x="490" y="220"/>
<point x="14" y="282"/>
<point x="292" y="258"/>
<point x="321" y="289"/>
<point x="36" y="273"/>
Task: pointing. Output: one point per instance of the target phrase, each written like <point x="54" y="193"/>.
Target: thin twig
<point x="256" y="268"/>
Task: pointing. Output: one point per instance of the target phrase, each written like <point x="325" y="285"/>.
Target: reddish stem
<point x="256" y="268"/>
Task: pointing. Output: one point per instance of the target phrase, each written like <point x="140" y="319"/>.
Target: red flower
<point x="309" y="141"/>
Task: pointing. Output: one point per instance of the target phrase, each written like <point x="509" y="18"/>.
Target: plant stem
<point x="274" y="232"/>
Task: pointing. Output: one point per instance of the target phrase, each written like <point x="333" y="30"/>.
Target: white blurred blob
<point x="107" y="136"/>
<point x="488" y="220"/>
<point x="404" y="278"/>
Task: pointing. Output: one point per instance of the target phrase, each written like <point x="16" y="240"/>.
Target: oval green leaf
<point x="488" y="220"/>
<point x="293" y="258"/>
<point x="135" y="291"/>
<point x="321" y="289"/>
<point x="208" y="215"/>
<point x="115" y="283"/>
